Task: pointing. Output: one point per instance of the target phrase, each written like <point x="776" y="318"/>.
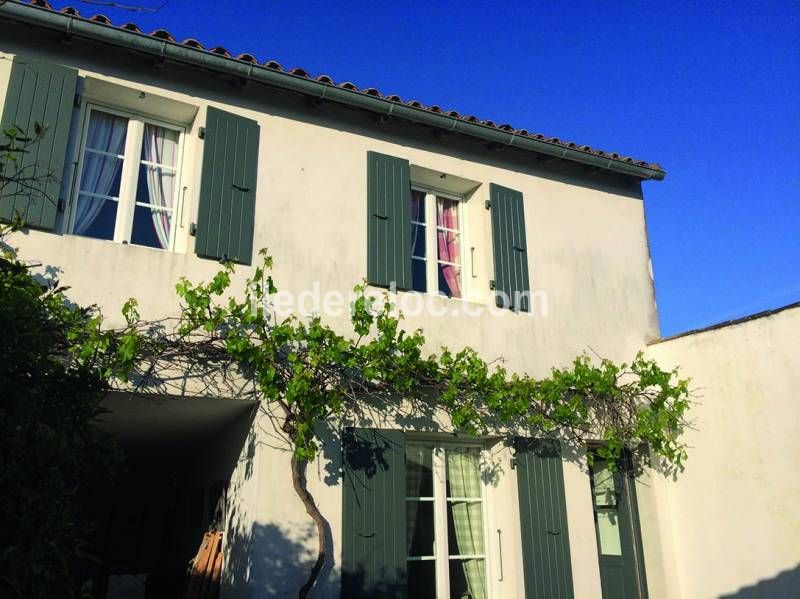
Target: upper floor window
<point x="127" y="179"/>
<point x="438" y="271"/>
<point x="445" y="522"/>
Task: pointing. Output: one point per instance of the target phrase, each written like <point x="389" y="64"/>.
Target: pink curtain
<point x="449" y="243"/>
<point x="159" y="147"/>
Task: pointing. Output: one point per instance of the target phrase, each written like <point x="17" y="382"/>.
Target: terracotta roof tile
<point x="165" y="35"/>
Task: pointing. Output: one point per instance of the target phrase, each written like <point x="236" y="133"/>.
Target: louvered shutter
<point x="511" y="281"/>
<point x="226" y="214"/>
<point x="373" y="514"/>
<point x="543" y="517"/>
<point x="44" y="93"/>
<point x="388" y="221"/>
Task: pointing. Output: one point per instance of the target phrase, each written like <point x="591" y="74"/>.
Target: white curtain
<point x="100" y="171"/>
<point x="160" y="148"/>
<point x="463" y="476"/>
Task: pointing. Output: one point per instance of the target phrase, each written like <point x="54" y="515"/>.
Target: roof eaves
<point x="162" y="44"/>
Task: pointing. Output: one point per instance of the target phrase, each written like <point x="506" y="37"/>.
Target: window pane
<point x="106" y="132"/>
<point x="608" y="531"/>
<point x="156" y="186"/>
<point x="151" y="227"/>
<point x="447" y="213"/>
<point x="419" y="528"/>
<point x="422" y="579"/>
<point x="419" y="471"/>
<point x="160" y="145"/>
<point x="463" y="472"/>
<point x="464" y="528"/>
<point x="449" y="246"/>
<point x="467" y="579"/>
<point x="418" y="241"/>
<point x="417" y="206"/>
<point x="419" y="275"/>
<point x="95" y="217"/>
<point x="101" y="174"/>
<point x="449" y="280"/>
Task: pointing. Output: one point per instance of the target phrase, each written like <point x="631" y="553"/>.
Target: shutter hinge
<point x="76" y="102"/>
<point x="513" y="463"/>
<point x="492" y="285"/>
<point x="192" y="229"/>
<point x="201" y="133"/>
<point x="488" y="204"/>
<point x="61" y="205"/>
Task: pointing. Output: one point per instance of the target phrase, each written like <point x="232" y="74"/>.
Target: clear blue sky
<point x="711" y="90"/>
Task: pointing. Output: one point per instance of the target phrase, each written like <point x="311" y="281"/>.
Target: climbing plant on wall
<point x="308" y="374"/>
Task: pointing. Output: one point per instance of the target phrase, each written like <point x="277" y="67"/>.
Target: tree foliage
<point x="314" y="375"/>
<point x="56" y="362"/>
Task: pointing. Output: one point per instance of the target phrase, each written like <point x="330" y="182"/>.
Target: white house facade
<point x="168" y="157"/>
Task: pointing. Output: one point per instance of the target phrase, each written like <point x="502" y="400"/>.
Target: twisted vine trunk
<point x="300" y="487"/>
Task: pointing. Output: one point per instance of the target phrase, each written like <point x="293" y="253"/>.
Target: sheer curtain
<point x="449" y="243"/>
<point x="105" y="143"/>
<point x="463" y="476"/>
<point x="160" y="148"/>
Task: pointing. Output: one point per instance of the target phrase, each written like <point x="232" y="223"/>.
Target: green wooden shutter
<point x="543" y="518"/>
<point x="373" y="514"/>
<point x="510" y="249"/>
<point x="226" y="214"/>
<point x="388" y="221"/>
<point x="43" y="93"/>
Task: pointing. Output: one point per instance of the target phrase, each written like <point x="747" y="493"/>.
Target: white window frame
<point x="441" y="547"/>
<point x="131" y="161"/>
<point x="431" y="243"/>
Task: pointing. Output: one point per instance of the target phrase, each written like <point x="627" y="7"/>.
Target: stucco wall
<point x="734" y="511"/>
<point x="587" y="250"/>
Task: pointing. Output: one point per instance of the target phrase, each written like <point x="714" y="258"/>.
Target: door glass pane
<point x="467" y="579"/>
<point x="604" y="488"/>
<point x="419" y="471"/>
<point x="465" y="527"/>
<point x="419" y="528"/>
<point x="608" y="531"/>
<point x="463" y="473"/>
<point x="422" y="579"/>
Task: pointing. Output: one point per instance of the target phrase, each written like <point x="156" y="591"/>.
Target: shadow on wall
<point x="784" y="585"/>
<point x="267" y="561"/>
<point x="270" y="562"/>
